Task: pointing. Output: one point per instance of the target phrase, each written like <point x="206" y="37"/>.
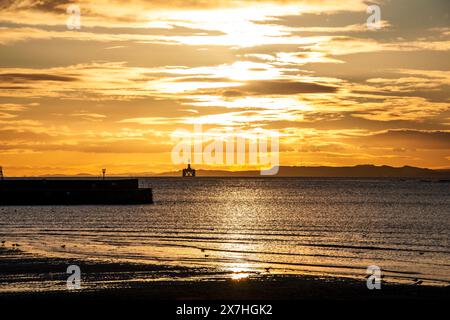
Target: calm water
<point x="240" y="227"/>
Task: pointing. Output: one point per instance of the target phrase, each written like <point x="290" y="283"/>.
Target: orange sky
<point x="112" y="93"/>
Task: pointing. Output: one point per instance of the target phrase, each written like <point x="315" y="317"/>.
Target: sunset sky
<point x="112" y="93"/>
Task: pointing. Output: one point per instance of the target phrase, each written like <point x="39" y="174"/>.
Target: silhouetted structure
<point x="1" y="174"/>
<point x="189" y="172"/>
<point x="103" y="173"/>
<point x="73" y="192"/>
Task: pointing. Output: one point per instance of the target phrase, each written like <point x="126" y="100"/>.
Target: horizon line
<point x="250" y="171"/>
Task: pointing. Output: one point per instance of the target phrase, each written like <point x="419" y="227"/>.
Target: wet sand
<point x="24" y="276"/>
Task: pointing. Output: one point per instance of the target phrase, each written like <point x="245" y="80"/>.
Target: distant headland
<point x="359" y="171"/>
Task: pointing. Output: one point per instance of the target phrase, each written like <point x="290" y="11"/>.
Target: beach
<point x="44" y="279"/>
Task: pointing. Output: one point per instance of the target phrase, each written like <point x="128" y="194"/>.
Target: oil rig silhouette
<point x="189" y="172"/>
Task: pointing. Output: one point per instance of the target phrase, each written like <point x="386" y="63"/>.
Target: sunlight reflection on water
<point x="246" y="227"/>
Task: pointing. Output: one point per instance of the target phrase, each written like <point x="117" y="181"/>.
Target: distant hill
<point x="360" y="171"/>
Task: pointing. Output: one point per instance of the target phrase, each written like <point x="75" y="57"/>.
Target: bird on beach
<point x="63" y="246"/>
<point x="417" y="281"/>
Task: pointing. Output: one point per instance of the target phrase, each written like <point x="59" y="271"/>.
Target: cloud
<point x="89" y="116"/>
<point x="410" y="139"/>
<point x="86" y="81"/>
<point x="345" y="45"/>
<point x="143" y="13"/>
<point x="13" y="35"/>
<point x="24" y="78"/>
<point x="281" y="87"/>
<point x="41" y="5"/>
<point x="17" y="107"/>
<point x="55" y="5"/>
<point x="150" y="121"/>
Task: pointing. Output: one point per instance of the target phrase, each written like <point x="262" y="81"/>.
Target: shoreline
<point x="38" y="278"/>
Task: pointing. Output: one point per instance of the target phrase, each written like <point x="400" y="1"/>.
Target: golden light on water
<point x="239" y="276"/>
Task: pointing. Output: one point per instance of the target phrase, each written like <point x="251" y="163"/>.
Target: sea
<point x="244" y="227"/>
